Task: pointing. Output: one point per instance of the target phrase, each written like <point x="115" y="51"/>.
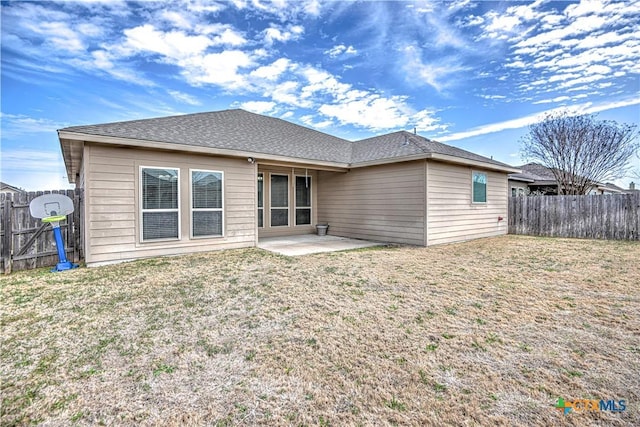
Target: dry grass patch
<point x="487" y="332"/>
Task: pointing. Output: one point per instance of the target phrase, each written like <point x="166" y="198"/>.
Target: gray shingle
<point x="245" y="131"/>
<point x="536" y="172"/>
<point x="233" y="130"/>
<point x="404" y="143"/>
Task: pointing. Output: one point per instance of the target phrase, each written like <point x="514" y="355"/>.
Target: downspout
<point x="426" y="202"/>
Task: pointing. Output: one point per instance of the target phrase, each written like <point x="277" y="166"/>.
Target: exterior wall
<point x="451" y="216"/>
<point x="519" y="187"/>
<point x="384" y="203"/>
<point x="112" y="198"/>
<point x="291" y="229"/>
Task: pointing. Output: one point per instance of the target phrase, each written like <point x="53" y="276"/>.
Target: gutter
<point x="169" y="146"/>
<point x="270" y="158"/>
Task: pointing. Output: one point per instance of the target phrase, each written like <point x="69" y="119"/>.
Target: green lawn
<point x="489" y="332"/>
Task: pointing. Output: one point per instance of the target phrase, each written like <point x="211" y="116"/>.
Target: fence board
<point x="614" y="216"/>
<point x="25" y="243"/>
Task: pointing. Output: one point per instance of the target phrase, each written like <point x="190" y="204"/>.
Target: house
<point x="535" y="178"/>
<point x="6" y="188"/>
<point x="217" y="180"/>
<point x="607" y="188"/>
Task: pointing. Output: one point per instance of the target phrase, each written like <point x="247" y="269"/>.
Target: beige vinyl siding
<point x="113" y="212"/>
<point x="518" y="185"/>
<point x="291" y="229"/>
<point x="451" y="216"/>
<point x="383" y="203"/>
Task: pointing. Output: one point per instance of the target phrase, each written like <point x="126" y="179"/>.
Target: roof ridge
<point x="416" y="141"/>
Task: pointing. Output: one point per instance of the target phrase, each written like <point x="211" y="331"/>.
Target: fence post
<point x="7" y="238"/>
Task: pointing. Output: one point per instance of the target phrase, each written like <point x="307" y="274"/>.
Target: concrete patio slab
<point x="311" y="244"/>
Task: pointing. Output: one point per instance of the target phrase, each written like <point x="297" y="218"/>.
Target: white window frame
<point x="261" y="209"/>
<point x="486" y="188"/>
<point x="192" y="209"/>
<point x="143" y="211"/>
<point x="288" y="208"/>
<point x="295" y="201"/>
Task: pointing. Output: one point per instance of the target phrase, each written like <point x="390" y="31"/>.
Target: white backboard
<point x="49" y="205"/>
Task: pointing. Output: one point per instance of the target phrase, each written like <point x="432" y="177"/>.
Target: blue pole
<point x="63" y="264"/>
<point x="62" y="256"/>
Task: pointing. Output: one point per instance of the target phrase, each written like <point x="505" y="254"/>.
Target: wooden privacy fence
<point x="27" y="242"/>
<point x="613" y="216"/>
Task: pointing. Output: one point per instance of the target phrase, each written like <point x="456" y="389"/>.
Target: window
<point x="260" y="199"/>
<point x="479" y="190"/>
<point x="514" y="191"/>
<point x="303" y="200"/>
<point x="279" y="200"/>
<point x="206" y="203"/>
<point x="160" y="203"/>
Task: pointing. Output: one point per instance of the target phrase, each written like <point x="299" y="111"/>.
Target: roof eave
<point x="66" y="138"/>
<point x="389" y="160"/>
<point x="476" y="163"/>
<point x="140" y="143"/>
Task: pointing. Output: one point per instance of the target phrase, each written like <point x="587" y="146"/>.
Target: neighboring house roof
<point x="538" y="172"/>
<point x="4" y="187"/>
<point x="611" y="188"/>
<point x="244" y="133"/>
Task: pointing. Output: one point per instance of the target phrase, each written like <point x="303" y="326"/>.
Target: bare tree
<point x="580" y="150"/>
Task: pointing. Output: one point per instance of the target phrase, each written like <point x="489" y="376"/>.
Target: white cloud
<point x="230" y="37"/>
<point x="321" y="82"/>
<point x="439" y="74"/>
<point x="278" y="34"/>
<point x="59" y="35"/>
<point x="339" y="50"/>
<point x="173" y="44"/>
<point x="372" y="112"/>
<point x="556" y="99"/>
<point x="29" y="160"/>
<point x="222" y="69"/>
<point x="177" y="19"/>
<point x="260" y="107"/>
<point x="14" y="125"/>
<point x="286" y="93"/>
<point x="581" y="43"/>
<point x="273" y="71"/>
<point x="34" y="169"/>
<point x="184" y="97"/>
<point x="493" y="96"/>
<point x="426" y="121"/>
<point x="521" y="122"/>
<point x="308" y="120"/>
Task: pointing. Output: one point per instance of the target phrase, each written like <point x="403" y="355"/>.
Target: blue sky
<point x="473" y="74"/>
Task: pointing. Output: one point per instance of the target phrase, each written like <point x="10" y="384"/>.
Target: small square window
<point x="479" y="183"/>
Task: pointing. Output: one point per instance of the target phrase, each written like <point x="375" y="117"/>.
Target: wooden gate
<point x="26" y="242"/>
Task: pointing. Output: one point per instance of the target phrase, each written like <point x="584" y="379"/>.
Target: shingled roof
<point x="229" y="129"/>
<point x="239" y="130"/>
<point x="403" y="143"/>
<point x="534" y="173"/>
